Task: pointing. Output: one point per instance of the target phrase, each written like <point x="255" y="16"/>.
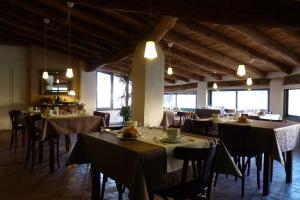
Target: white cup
<point x="131" y="123"/>
<point x="173" y="133"/>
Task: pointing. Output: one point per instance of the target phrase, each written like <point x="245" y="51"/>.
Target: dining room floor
<point x="73" y="182"/>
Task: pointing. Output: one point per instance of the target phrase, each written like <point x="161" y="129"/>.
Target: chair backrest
<point x="105" y="115"/>
<point x="183" y="116"/>
<point x="205" y="159"/>
<point x="30" y="124"/>
<point x="201" y="127"/>
<point x="13" y="115"/>
<point x="168" y="119"/>
<point x="236" y="138"/>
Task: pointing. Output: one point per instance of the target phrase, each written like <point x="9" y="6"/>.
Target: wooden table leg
<point x="51" y="154"/>
<point x="95" y="183"/>
<point x="289" y="166"/>
<point x="267" y="174"/>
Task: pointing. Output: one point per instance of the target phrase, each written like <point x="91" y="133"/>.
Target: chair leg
<point x="28" y="151"/>
<point x="23" y="137"/>
<point x="216" y="179"/>
<point x="12" y="139"/>
<point x="105" y="179"/>
<point x="57" y="152"/>
<point x="121" y="190"/>
<point x="41" y="152"/>
<point x="16" y="139"/>
<point x="33" y="157"/>
<point x="271" y="178"/>
<point x="249" y="165"/>
<point x="258" y="166"/>
<point x="243" y="167"/>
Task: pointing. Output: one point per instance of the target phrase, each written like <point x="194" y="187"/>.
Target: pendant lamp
<point x="150" y="49"/>
<point x="45" y="72"/>
<point x="69" y="73"/>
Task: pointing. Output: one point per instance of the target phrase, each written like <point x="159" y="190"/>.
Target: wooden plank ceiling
<point x="210" y="39"/>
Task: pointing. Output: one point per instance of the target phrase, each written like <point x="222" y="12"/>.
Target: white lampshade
<point x="249" y="81"/>
<point x="69" y="73"/>
<point x="150" y="50"/>
<point x="57" y="81"/>
<point x="45" y="75"/>
<point x="71" y="93"/>
<point x="170" y="71"/>
<point x="241" y="70"/>
<point x="215" y="86"/>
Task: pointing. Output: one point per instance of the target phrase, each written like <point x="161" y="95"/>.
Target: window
<point x="110" y="91"/>
<point x="240" y="99"/>
<point x="178" y="100"/>
<point x="252" y="100"/>
<point x="226" y="99"/>
<point x="292" y="105"/>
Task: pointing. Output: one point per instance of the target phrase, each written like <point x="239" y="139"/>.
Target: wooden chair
<point x="17" y="128"/>
<point x="119" y="186"/>
<point x="200" y="186"/>
<point x="35" y="144"/>
<point x="237" y="140"/>
<point x="201" y="127"/>
<point x="183" y="116"/>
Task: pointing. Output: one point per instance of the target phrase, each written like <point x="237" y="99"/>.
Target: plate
<point x="167" y="140"/>
<point x="120" y="136"/>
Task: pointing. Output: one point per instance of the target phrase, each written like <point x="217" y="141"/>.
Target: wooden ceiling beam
<point x="20" y="39"/>
<point x="162" y="27"/>
<point x="174" y="88"/>
<point x="211" y="55"/>
<point x="268" y="42"/>
<point x="98" y="19"/>
<point x="235" y="83"/>
<point x="247" y="52"/>
<point x="39" y="34"/>
<point x="176" y="76"/>
<point x="99" y="33"/>
<point x="37" y="25"/>
<point x="255" y="12"/>
<point x="187" y="74"/>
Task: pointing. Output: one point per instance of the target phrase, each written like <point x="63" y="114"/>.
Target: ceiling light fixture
<point x="150" y="49"/>
<point x="249" y="81"/>
<point x="170" y="70"/>
<point x="215" y="86"/>
<point x="69" y="72"/>
<point x="45" y="72"/>
<point x="241" y="71"/>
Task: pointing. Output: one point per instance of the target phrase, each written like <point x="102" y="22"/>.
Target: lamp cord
<point x="69" y="18"/>
<point x="150" y="16"/>
<point x="45" y="49"/>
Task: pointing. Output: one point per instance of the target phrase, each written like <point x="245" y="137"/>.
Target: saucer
<point x="175" y="140"/>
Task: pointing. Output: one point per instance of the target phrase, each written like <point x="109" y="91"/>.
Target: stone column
<point x="147" y="86"/>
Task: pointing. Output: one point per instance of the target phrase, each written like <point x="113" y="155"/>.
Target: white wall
<point x="276" y="96"/>
<point x="89" y="90"/>
<point x="14" y="63"/>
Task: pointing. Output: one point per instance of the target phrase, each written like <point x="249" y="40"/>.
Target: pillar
<point x="147" y="87"/>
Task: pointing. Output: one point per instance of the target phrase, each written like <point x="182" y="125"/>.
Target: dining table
<point x="66" y="124"/>
<point x="144" y="164"/>
<point x="273" y="139"/>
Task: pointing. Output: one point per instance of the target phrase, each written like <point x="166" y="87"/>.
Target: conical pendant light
<point x="69" y="72"/>
<point x="215" y="86"/>
<point x="249" y="81"/>
<point x="241" y="71"/>
<point x="150" y="49"/>
<point x="45" y="72"/>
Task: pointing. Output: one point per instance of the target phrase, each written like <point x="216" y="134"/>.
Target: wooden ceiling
<point x="210" y="38"/>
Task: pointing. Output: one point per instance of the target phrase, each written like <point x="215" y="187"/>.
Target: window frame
<point x="286" y="105"/>
<point x="111" y="92"/>
<point x="209" y="100"/>
<point x="179" y="93"/>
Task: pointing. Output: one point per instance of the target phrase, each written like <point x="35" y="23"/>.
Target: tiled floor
<point x="74" y="182"/>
